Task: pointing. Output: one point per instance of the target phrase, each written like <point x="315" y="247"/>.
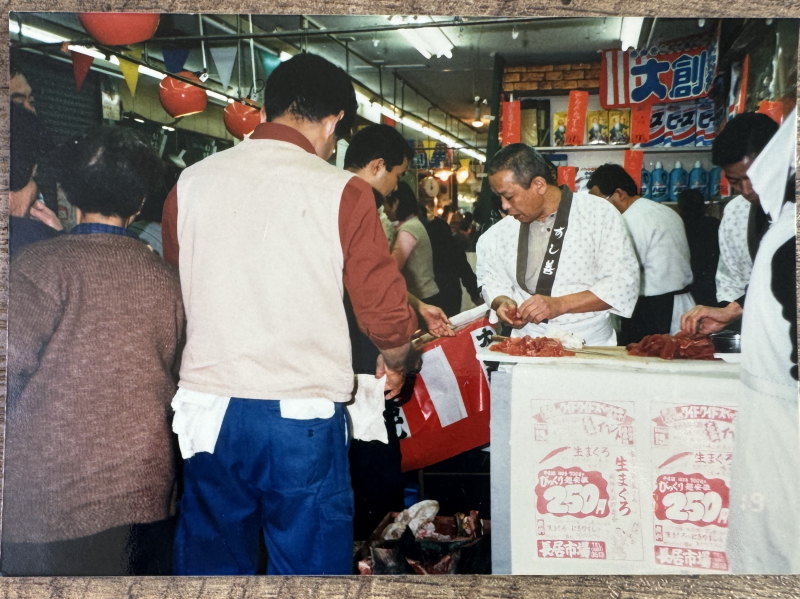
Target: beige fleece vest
<point x="261" y="274"/>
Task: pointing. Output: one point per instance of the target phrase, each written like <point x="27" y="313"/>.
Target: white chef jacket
<point x="597" y="255"/>
<point x="735" y="263"/>
<point x="764" y="527"/>
<point x="659" y="239"/>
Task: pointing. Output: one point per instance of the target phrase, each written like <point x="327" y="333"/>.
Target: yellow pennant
<point x="130" y="70"/>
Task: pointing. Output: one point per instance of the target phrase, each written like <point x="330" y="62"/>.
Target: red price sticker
<point x="572" y="492"/>
<point x="692" y="498"/>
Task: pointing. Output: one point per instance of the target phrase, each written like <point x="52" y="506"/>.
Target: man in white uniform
<point x="659" y="238"/>
<point x="743" y="222"/>
<point x="764" y="526"/>
<point x="559" y="261"/>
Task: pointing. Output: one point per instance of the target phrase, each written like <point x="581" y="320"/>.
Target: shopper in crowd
<point x="147" y="225"/>
<point x="412" y="249"/>
<point x="450" y="266"/>
<point x="764" y="525"/>
<point x="269" y="237"/>
<point x="702" y="233"/>
<point x="380" y="155"/>
<point x="20" y="91"/>
<point x="29" y="220"/>
<point x="743" y="224"/>
<point x="95" y="325"/>
<point x="563" y="261"/>
<point x="659" y="239"/>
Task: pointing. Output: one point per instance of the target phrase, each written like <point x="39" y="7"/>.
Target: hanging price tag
<point x="567" y="176"/>
<point x="640" y="123"/>
<point x="572" y="492"/>
<point x="576" y="117"/>
<point x="511" y="131"/>
<point x="632" y="163"/>
<point x="692" y="498"/>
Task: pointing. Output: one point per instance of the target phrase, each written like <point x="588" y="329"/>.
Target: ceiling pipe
<point x="304" y="33"/>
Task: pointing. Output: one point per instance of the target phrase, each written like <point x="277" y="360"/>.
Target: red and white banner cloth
<point x="620" y="469"/>
<point x="449" y="411"/>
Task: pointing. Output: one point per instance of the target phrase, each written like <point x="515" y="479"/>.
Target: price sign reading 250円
<point x="692" y="498"/>
<point x="572" y="492"/>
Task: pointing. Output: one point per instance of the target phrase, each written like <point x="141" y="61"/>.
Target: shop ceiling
<point x="439" y="89"/>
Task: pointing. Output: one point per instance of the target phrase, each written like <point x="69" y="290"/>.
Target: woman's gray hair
<point x="526" y="164"/>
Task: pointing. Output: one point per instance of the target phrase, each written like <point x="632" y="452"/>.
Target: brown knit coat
<point x="95" y="325"/>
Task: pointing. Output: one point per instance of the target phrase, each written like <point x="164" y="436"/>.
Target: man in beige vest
<point x="270" y="237"/>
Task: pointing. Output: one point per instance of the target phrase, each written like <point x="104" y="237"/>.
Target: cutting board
<point x="618" y="358"/>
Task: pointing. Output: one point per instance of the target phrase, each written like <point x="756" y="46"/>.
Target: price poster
<point x="587" y="498"/>
<point x="692" y="450"/>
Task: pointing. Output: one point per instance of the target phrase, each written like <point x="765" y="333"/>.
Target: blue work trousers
<point x="287" y="478"/>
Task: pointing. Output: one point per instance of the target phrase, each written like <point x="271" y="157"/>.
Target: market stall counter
<point x="607" y="463"/>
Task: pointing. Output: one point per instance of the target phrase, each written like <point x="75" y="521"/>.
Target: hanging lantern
<point x="120" y="28"/>
<point x="182" y="99"/>
<point x="240" y="119"/>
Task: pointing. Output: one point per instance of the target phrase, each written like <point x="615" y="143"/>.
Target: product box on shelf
<point x="706" y="129"/>
<point x="529" y="126"/>
<point x="559" y="128"/>
<point x="597" y="127"/>
<point x="619" y="126"/>
<point x="657" y="126"/>
<point x="680" y="124"/>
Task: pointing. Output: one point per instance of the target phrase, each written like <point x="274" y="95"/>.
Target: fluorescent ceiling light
<point x="429" y="41"/>
<point x="284" y="56"/>
<point x="139" y="120"/>
<point x="477" y="123"/>
<point x="629" y="31"/>
<point x="34" y="33"/>
<point x="167" y="128"/>
<point x="411" y="124"/>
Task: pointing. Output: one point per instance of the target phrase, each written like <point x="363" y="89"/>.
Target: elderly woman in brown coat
<point x="95" y="324"/>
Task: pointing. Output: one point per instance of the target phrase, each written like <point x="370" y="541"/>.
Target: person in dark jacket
<point x="702" y="232"/>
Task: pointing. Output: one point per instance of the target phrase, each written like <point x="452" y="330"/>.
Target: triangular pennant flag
<point x="224" y="59"/>
<point x="269" y="62"/>
<point x="130" y="70"/>
<point x="81" y="63"/>
<point x="174" y="58"/>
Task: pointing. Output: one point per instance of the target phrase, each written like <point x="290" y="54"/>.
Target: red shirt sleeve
<point x="169" y="227"/>
<point x="376" y="288"/>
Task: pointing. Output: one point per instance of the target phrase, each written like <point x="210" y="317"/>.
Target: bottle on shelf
<point x="714" y="178"/>
<point x="644" y="190"/>
<point x="698" y="179"/>
<point x="659" y="184"/>
<point x="678" y="181"/>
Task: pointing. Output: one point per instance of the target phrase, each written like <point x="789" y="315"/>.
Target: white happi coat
<point x="659" y="239"/>
<point x="597" y="256"/>
<point x="735" y="263"/>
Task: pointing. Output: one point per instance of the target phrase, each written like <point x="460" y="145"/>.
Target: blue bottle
<point x="644" y="190"/>
<point x="678" y="181"/>
<point x="698" y="179"/>
<point x="659" y="184"/>
<point x="714" y="177"/>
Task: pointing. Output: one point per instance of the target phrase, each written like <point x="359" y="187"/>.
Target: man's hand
<point x="707" y="320"/>
<point x="394" y="378"/>
<point x="538" y="308"/>
<point x="506" y="309"/>
<point x="436" y="320"/>
<point x="42" y="213"/>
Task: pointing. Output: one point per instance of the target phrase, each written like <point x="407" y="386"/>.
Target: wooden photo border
<point x="394" y="587"/>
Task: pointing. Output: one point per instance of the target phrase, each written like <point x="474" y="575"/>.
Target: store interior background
<point x="454" y="96"/>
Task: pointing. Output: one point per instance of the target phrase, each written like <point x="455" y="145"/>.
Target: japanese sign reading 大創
<point x="672" y="72"/>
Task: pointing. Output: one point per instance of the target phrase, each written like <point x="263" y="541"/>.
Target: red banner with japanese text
<point x="449" y="411"/>
<point x="511" y="122"/>
<point x="675" y="71"/>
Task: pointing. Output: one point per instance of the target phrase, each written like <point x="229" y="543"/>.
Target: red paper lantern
<point x="182" y="99"/>
<point x="240" y="119"/>
<point x="119" y="28"/>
